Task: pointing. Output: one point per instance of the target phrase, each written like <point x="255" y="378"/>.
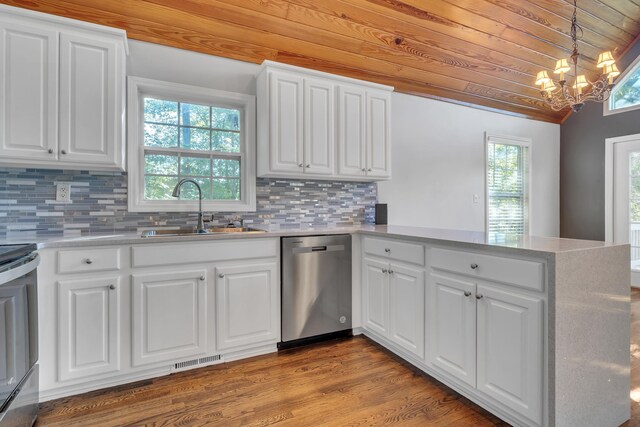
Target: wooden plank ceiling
<point x="474" y="52"/>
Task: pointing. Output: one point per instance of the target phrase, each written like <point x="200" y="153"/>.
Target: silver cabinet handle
<point x="387" y="250"/>
<point x="63" y="152"/>
<point x="479" y="296"/>
<point x="221" y="275"/>
<point x="308" y="166"/>
<point x="385" y="271"/>
<point x="202" y="278"/>
<point x="474" y="266"/>
<point x="369" y="169"/>
<point x="88" y="261"/>
<point x="50" y="150"/>
<point x="299" y="165"/>
<point x="467" y="294"/>
<point x="112" y="287"/>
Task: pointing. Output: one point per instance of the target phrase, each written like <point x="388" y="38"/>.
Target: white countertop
<point x="469" y="238"/>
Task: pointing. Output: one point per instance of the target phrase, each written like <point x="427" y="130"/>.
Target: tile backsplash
<point x="99" y="204"/>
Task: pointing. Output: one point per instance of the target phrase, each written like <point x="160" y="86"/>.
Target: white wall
<point x="438" y="148"/>
<point x="438" y="164"/>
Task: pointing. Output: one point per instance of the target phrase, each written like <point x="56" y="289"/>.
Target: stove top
<point x="10" y="252"/>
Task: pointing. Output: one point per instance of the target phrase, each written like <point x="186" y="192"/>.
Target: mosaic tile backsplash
<point x="99" y="204"/>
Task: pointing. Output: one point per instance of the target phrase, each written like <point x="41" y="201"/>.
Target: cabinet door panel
<point x="452" y="326"/>
<point x="378" y="134"/>
<point x="14" y="336"/>
<point x="247" y="305"/>
<point x="88" y="105"/>
<point x="286" y="119"/>
<point x="510" y="349"/>
<point x="376" y="296"/>
<point x="319" y="130"/>
<point x="89" y="327"/>
<point x="351" y="131"/>
<point x="169" y="316"/>
<point x="28" y="92"/>
<point x="406" y="311"/>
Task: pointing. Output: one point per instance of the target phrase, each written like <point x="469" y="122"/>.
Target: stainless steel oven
<point x="18" y="335"/>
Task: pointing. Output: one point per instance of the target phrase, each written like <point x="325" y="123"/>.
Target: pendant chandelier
<point x="582" y="90"/>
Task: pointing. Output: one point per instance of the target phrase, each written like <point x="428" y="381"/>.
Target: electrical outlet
<point x="63" y="192"/>
<point x="476" y="198"/>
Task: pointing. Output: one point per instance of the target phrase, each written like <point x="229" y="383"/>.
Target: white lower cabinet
<point x="247" y="305"/>
<point x="509" y="360"/>
<point x="393" y="296"/>
<point x="88" y="327"/>
<point x="490" y="337"/>
<point x="169" y="316"/>
<point x="452" y="332"/>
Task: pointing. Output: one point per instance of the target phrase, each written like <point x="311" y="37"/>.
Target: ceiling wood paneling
<point x="474" y="52"/>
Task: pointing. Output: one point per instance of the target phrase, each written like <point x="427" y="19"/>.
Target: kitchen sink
<point x="192" y="232"/>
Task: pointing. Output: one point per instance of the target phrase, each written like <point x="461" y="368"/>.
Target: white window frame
<point x="138" y="88"/>
<point x="509" y="140"/>
<point x="622" y="79"/>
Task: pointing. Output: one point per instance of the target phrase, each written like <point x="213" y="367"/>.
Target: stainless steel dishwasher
<point x="316" y="288"/>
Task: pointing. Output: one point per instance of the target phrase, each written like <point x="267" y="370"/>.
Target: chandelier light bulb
<point x="548" y="86"/>
<point x="581" y="82"/>
<point x="611" y="71"/>
<point x="562" y="66"/>
<point x="542" y="78"/>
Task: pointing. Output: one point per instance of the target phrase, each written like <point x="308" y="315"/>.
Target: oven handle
<point x="13" y="273"/>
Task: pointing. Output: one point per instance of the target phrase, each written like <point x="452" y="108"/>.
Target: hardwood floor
<point x="349" y="382"/>
<point x="352" y="382"/>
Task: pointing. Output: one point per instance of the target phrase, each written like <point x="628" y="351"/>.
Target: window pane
<point x="194" y="115"/>
<point x="190" y="191"/>
<point x="160" y="135"/>
<point x="159" y="111"/>
<point x="159" y="187"/>
<point x="223" y="118"/>
<point x="224" y="167"/>
<point x="226" y="189"/>
<point x="195" y="139"/>
<point x="228" y="142"/>
<point x="161" y="164"/>
<point x="195" y="166"/>
<point x="627" y="94"/>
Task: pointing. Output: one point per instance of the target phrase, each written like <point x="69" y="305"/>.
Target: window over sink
<point x="178" y="131"/>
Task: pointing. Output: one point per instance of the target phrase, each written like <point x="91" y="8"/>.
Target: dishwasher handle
<point x="309" y="249"/>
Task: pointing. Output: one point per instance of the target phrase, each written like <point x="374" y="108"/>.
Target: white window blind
<point x="507" y="185"/>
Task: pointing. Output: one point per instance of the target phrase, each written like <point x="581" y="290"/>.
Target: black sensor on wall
<point x="381" y="213"/>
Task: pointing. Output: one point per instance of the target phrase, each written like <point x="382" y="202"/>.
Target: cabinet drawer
<point x="518" y="272"/>
<point x="151" y="255"/>
<point x="401" y="251"/>
<point x="87" y="260"/>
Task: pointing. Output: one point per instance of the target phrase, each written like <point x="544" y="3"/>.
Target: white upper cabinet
<point x="28" y="91"/>
<point x="319" y="125"/>
<point x="62" y="92"/>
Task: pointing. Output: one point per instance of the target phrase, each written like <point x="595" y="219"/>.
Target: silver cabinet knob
<point x="467" y="294"/>
<point x="364" y="170"/>
<point x="308" y="166"/>
<point x="474" y="266"/>
<point x="390" y="271"/>
<point x="50" y="150"/>
<point x="88" y="261"/>
<point x="221" y="275"/>
<point x="299" y="165"/>
<point x="369" y="169"/>
<point x="63" y="152"/>
<point x="385" y="271"/>
<point x="387" y="250"/>
<point x="112" y="287"/>
<point x="202" y="278"/>
<point x="479" y="296"/>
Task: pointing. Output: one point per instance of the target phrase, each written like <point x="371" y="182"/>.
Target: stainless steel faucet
<point x="176" y="193"/>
